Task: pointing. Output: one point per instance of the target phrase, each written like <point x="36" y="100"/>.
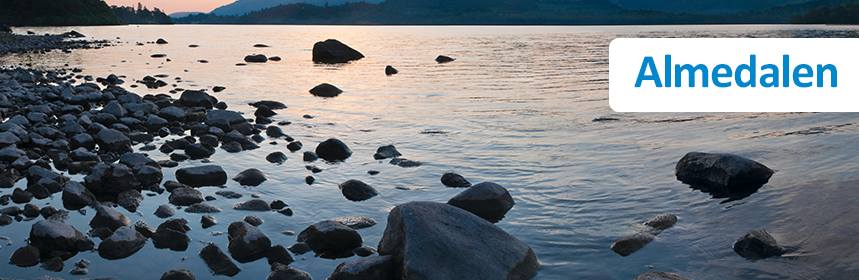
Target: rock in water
<point x="124" y="242"/>
<point x="390" y="70"/>
<point x="130" y="200"/>
<point x="164" y="211"/>
<point x="333" y="150"/>
<point x="443" y="59"/>
<point x="724" y="170"/>
<point x="52" y="235"/>
<point x="25" y="256"/>
<point x="388" y="151"/>
<point x="206" y="175"/>
<point x="757" y="244"/>
<point x="195" y="98"/>
<point x="247" y="242"/>
<point x="180" y="274"/>
<point x="185" y="196"/>
<point x="372" y="268"/>
<point x="106" y="216"/>
<point x="161" y="41"/>
<point x="655" y="275"/>
<point x="256" y="58"/>
<point x="276" y="157"/>
<point x="355" y="190"/>
<point x="662" y="222"/>
<point x="333" y="51"/>
<point x="487" y="200"/>
<point x="250" y="177"/>
<point x="113" y="140"/>
<point x="438" y="241"/>
<point x="284" y="272"/>
<point x="218" y="262"/>
<point x="326" y="90"/>
<point x="628" y="245"/>
<point x="453" y="180"/>
<point x="356" y="222"/>
<point x="253" y="205"/>
<point x="330" y="235"/>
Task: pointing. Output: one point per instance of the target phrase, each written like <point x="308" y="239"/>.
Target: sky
<point x="173" y="6"/>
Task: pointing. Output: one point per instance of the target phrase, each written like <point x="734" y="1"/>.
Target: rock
<point x="757" y="244"/>
<point x="283" y="272"/>
<point x="148" y="175"/>
<point x="171" y="185"/>
<point x="185" y="196"/>
<point x="108" y="217"/>
<point x="355" y="190"/>
<point x="662" y="222"/>
<point x="202" y="208"/>
<point x="250" y="177"/>
<point x="274" y="58"/>
<point x="372" y="268"/>
<point x="114" y="109"/>
<point x="390" y="70"/>
<point x="25" y="256"/>
<point x="111" y="178"/>
<point x="232" y="147"/>
<point x="356" y="222"/>
<point x="425" y="236"/>
<point x="253" y="205"/>
<point x="5" y="220"/>
<point x="171" y="234"/>
<point x="287" y="212"/>
<point x="388" y="151"/>
<point x="722" y="170"/>
<point x="161" y="41"/>
<point x="208" y="221"/>
<point x="247" y="242"/>
<point x="30" y="210"/>
<point x="54" y="264"/>
<point x="21" y="196"/>
<point x="628" y="245"/>
<point x="299" y="248"/>
<point x="294" y="146"/>
<point x="276" y="157"/>
<point x="217" y="261"/>
<point x="198" y="151"/>
<point x="325" y="90"/>
<point x="274" y="105"/>
<point x="309" y="180"/>
<point x="218" y="89"/>
<point x="277" y="204"/>
<point x="130" y="200"/>
<point x="52" y="235"/>
<point x="74" y="193"/>
<point x="330" y="235"/>
<point x="256" y="58"/>
<point x="264" y="111"/>
<point x="279" y="254"/>
<point x="180" y="274"/>
<point x="333" y="150"/>
<point x="124" y="242"/>
<point x="443" y="59"/>
<point x="206" y="175"/>
<point x="113" y="140"/>
<point x="655" y="275"/>
<point x="406" y="163"/>
<point x="253" y="220"/>
<point x="453" y="180"/>
<point x="227" y="116"/>
<point x="195" y="98"/>
<point x="333" y="51"/>
<point x="228" y="194"/>
<point x="78" y="271"/>
<point x="310" y="156"/>
<point x="172" y="114"/>
<point x="164" y="211"/>
<point x="144" y="229"/>
<point x="487" y="200"/>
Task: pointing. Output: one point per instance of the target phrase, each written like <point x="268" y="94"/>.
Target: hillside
<point x="241" y="7"/>
<point x="56" y="12"/>
<point x="141" y="16"/>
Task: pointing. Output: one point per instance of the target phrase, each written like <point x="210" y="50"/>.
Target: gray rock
<point x="21" y="196"/>
<point x="179" y="274"/>
<point x="253" y="220"/>
<point x="52" y="235"/>
<point x="164" y="211"/>
<point x="25" y="256"/>
<point x="231" y="117"/>
<point x="111" y="178"/>
<point x="194" y="98"/>
<point x="185" y="196"/>
<point x="113" y="140"/>
<point x="662" y="222"/>
<point x="30" y="210"/>
<point x="198" y="151"/>
<point x="405" y="163"/>
<point x="74" y="193"/>
<point x="372" y="268"/>
<point x="388" y="151"/>
<point x="108" y="217"/>
<point x="130" y="200"/>
<point x="133" y="160"/>
<point x="274" y="105"/>
<point x="487" y="200"/>
<point x="628" y="245"/>
<point x="218" y="262"/>
<point x="276" y="157"/>
<point x="171" y="185"/>
<point x="333" y="51"/>
<point x="208" y="221"/>
<point x="279" y="254"/>
<point x="356" y="222"/>
<point x="247" y="242"/>
<point x="655" y="275"/>
<point x="277" y="204"/>
<point x="123" y="243"/>
<point x="250" y="177"/>
<point x="326" y="90"/>
<point x="423" y="237"/>
<point x="294" y="146"/>
<point x="144" y="229"/>
<point x="253" y="205"/>
<point x="330" y="235"/>
<point x="148" y="175"/>
<point x="172" y="114"/>
<point x="356" y="190"/>
<point x="310" y="156"/>
<point x="54" y="264"/>
<point x="171" y="234"/>
<point x="202" y="208"/>
<point x="364" y="251"/>
<point x="206" y="175"/>
<point x="161" y="41"/>
<point x="758" y="244"/>
<point x="454" y="180"/>
<point x="283" y="272"/>
<point x="229" y="194"/>
<point x="723" y="170"/>
<point x="114" y="109"/>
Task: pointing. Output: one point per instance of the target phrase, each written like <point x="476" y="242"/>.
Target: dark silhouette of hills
<point x="142" y="15"/>
<point x="56" y="12"/>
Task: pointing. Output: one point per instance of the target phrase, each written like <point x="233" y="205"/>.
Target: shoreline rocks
<point x="758" y="244"/>
<point x="487" y="200"/>
<point x="333" y="51"/>
<point x="628" y="245"/>
<point x="721" y="170"/>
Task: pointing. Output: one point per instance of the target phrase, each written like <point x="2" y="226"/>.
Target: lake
<point x="522" y="106"/>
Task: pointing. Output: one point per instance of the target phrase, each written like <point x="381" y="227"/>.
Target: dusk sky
<point x="172" y="6"/>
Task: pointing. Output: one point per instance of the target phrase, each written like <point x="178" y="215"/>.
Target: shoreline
<point x="11" y="43"/>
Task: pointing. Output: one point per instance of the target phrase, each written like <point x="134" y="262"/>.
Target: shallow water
<point x="517" y="108"/>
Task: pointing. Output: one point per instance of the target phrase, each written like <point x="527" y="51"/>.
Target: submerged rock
<point x="487" y="200"/>
<point x="218" y="262"/>
<point x="758" y="244"/>
<point x="356" y="222"/>
<point x="628" y="245"/>
<point x="253" y="205"/>
<point x="655" y="275"/>
<point x="185" y="196"/>
<point x="437" y="241"/>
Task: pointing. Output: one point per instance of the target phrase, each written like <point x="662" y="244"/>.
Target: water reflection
<point x="732" y="193"/>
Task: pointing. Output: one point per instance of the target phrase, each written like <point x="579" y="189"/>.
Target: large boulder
<point x="53" y="235"/>
<point x="326" y="90"/>
<point x="108" y="217"/>
<point x="356" y="190"/>
<point x="198" y="176"/>
<point x="333" y="150"/>
<point x="114" y="141"/>
<point x="218" y="262"/>
<point x="247" y="242"/>
<point x="111" y="178"/>
<point x="487" y="200"/>
<point x="333" y="51"/>
<point x="330" y="235"/>
<point x="372" y="268"/>
<point x="75" y="194"/>
<point x="721" y="170"/>
<point x="431" y="240"/>
<point x="195" y="98"/>
<point x="250" y="177"/>
<point x="758" y="244"/>
<point x="124" y="242"/>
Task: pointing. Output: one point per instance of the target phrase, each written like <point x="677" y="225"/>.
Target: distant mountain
<point x="241" y="7"/>
<point x="183" y="14"/>
<point x="51" y="12"/>
<point x="704" y="6"/>
<point x="141" y="16"/>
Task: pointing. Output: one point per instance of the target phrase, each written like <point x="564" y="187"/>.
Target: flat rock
<point x="253" y="205"/>
<point x="257" y="58"/>
<point x="113" y="140"/>
<point x="356" y="190"/>
<point x="185" y="196"/>
<point x="487" y="200"/>
<point x="628" y="245"/>
<point x="52" y="235"/>
<point x="123" y="243"/>
<point x="218" y="262"/>
<point x="372" y="268"/>
<point x="111" y="178"/>
<point x="356" y="222"/>
<point x="725" y="170"/>
<point x="276" y="157"/>
<point x="247" y="242"/>
<point x="202" y="208"/>
<point x="437" y="241"/>
<point x="274" y="105"/>
<point x="195" y="98"/>
<point x="250" y="177"/>
<point x="253" y="220"/>
<point x="330" y="235"/>
<point x="206" y="175"/>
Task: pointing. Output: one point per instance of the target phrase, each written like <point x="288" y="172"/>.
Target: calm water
<point x="516" y="108"/>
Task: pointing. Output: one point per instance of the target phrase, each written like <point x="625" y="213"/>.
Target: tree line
<point x="142" y="15"/>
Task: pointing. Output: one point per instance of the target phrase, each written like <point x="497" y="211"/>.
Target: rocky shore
<point x="31" y="43"/>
